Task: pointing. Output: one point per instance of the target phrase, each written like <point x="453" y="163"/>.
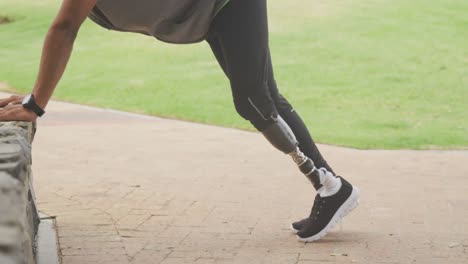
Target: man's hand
<point x="11" y="109"/>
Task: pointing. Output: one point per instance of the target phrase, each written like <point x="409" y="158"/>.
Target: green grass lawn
<point x="365" y="74"/>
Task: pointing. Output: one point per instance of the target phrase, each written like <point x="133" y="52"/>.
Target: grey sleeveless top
<point x="174" y="21"/>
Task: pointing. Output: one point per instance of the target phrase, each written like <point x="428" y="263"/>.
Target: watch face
<point x="26" y="99"/>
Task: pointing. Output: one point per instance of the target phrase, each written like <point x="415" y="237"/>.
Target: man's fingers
<point x="14" y="99"/>
<point x="5" y="102"/>
<point x="16" y="113"/>
<point x="18" y="100"/>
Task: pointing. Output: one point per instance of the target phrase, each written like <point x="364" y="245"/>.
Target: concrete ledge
<point x="47" y="246"/>
<point x="18" y="214"/>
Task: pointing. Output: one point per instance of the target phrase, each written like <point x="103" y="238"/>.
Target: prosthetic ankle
<point x="280" y="135"/>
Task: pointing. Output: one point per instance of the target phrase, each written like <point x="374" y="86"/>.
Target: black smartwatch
<point x="30" y="104"/>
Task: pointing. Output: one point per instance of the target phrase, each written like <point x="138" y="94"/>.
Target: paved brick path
<point x="134" y="189"/>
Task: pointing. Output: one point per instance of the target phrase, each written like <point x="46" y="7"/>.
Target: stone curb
<point x="18" y="214"/>
<point x="47" y="245"/>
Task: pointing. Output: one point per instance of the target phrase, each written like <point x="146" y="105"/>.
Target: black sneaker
<point x="327" y="212"/>
<point x="297" y="226"/>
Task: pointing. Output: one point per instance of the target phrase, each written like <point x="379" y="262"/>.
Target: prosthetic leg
<point x="336" y="197"/>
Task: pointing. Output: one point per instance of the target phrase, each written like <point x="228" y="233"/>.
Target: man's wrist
<point x="29" y="103"/>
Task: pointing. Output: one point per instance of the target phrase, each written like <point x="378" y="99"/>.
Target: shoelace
<point x="318" y="204"/>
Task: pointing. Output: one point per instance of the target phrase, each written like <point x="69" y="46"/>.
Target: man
<point x="237" y="31"/>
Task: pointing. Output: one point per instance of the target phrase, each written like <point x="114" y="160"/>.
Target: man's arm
<point x="55" y="55"/>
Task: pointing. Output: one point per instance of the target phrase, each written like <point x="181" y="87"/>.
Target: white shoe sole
<point x="351" y="203"/>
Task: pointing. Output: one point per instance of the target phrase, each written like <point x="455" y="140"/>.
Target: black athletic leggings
<point x="239" y="40"/>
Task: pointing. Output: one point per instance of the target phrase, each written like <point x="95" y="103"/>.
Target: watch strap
<point x="32" y="105"/>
